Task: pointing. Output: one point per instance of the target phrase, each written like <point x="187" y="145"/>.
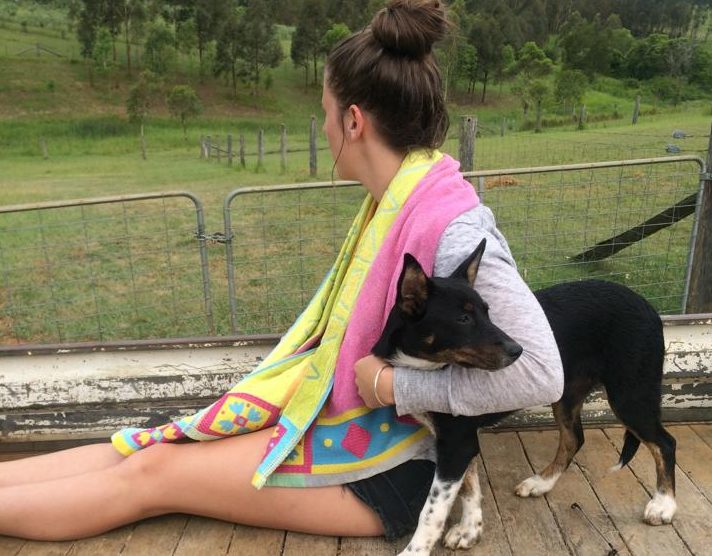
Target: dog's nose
<point x="512" y="349"/>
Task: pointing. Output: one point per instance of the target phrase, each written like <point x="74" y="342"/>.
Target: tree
<point x="570" y="87"/>
<point x="183" y="103"/>
<point x="229" y="49"/>
<point x="159" y="49"/>
<point x="312" y="24"/>
<point x="333" y="36"/>
<point x="102" y="52"/>
<point x="140" y="101"/>
<point x="531" y="65"/>
<point x="258" y="41"/>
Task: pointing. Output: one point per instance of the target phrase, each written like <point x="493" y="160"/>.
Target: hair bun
<point x="410" y="27"/>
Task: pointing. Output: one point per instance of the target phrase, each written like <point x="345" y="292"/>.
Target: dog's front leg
<point x="468" y="531"/>
<point x="432" y="518"/>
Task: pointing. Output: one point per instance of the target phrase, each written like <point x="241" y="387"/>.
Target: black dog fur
<point x="607" y="336"/>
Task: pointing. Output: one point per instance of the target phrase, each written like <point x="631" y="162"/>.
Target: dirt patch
<point x="501" y="181"/>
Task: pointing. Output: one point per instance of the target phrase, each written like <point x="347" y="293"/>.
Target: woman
<point x="384" y="118"/>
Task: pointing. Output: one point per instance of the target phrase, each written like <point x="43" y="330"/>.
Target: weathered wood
<point x="694" y="516"/>
<point x="112" y="542"/>
<point x="636" y="110"/>
<point x="704" y="432"/>
<point x="700" y="290"/>
<point x="624" y="499"/>
<point x="693" y="458"/>
<point x="143" y="143"/>
<point x="571" y="488"/>
<point x="581" y="117"/>
<point x="11" y="545"/>
<point x="530" y="525"/>
<point x="202" y="147"/>
<point x="468" y="131"/>
<point x="256" y="542"/>
<point x="204" y="536"/>
<point x="43" y="146"/>
<point x="209" y="142"/>
<point x="260" y="150"/>
<point x="41" y="548"/>
<point x="312" y="147"/>
<point x="157" y="535"/>
<point x="229" y="149"/>
<point x="298" y="544"/>
<point x="283" y="148"/>
<point x="242" y="151"/>
<point x="366" y="546"/>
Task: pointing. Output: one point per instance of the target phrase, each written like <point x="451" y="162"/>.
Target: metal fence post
<point x="229" y="149"/>
<point x="699" y="296"/>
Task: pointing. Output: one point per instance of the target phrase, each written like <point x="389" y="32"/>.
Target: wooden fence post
<point x="209" y="141"/>
<point x="202" y="147"/>
<point x="217" y="151"/>
<point x="468" y="131"/>
<point x="699" y="298"/>
<point x="312" y="147"/>
<point x="283" y="148"/>
<point x="260" y="150"/>
<point x="229" y="150"/>
<point x="502" y="127"/>
<point x="581" y="117"/>
<point x="43" y="146"/>
<point x="242" y="150"/>
<point x="636" y="110"/>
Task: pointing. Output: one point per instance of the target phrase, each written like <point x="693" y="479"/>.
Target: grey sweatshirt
<point x="535" y="378"/>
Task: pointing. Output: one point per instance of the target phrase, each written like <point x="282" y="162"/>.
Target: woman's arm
<point x="535" y="378"/>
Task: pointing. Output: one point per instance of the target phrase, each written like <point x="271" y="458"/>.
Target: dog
<point x="606" y="334"/>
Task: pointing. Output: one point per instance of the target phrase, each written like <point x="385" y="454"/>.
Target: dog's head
<point x="440" y="321"/>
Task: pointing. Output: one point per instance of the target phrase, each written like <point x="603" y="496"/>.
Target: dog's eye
<point x="464" y="319"/>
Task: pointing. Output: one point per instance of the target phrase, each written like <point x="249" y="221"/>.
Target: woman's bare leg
<point x="57" y="465"/>
<point x="206" y="478"/>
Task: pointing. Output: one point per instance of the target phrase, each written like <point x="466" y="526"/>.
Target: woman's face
<point x="334" y="129"/>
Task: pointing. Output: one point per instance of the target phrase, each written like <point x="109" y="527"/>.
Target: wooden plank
<point x="704" y="432"/>
<point x="624" y="499"/>
<point x="298" y="544"/>
<point x="572" y="487"/>
<point x="529" y="524"/>
<point x="693" y="457"/>
<point x="366" y="546"/>
<point x="256" y="541"/>
<point x="107" y="544"/>
<point x="41" y="548"/>
<point x="157" y="536"/>
<point x="694" y="514"/>
<point x="205" y="536"/>
<point x="10" y="546"/>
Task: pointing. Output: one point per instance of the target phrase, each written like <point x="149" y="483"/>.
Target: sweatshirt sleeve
<point x="535" y="378"/>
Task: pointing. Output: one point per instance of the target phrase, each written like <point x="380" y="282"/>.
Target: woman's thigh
<point x="213" y="479"/>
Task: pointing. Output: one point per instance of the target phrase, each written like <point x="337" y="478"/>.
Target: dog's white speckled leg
<point x="468" y="531"/>
<point x="432" y="517"/>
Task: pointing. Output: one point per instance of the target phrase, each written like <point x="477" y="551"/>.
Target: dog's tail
<point x="630" y="447"/>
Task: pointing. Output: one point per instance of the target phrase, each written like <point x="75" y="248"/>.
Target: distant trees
<point x="183" y="103"/>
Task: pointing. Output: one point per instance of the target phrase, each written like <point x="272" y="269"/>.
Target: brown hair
<point x="388" y="69"/>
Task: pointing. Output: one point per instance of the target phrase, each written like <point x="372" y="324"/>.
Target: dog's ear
<point x="469" y="267"/>
<point x="412" y="287"/>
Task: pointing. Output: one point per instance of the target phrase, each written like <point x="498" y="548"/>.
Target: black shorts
<point x="397" y="495"/>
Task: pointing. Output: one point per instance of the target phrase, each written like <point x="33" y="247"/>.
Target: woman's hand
<point x="366" y="370"/>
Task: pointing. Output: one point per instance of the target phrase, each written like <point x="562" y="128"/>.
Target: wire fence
<point x="103" y="269"/>
<point x="142" y="267"/>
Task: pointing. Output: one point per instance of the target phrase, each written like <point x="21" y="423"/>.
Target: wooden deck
<point x="607" y="515"/>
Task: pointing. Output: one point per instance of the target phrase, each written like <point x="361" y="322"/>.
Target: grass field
<point x="133" y="270"/>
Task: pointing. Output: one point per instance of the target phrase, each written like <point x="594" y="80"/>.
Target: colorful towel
<point x="324" y="434"/>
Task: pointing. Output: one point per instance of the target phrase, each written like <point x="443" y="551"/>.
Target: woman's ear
<point x="355" y="122"/>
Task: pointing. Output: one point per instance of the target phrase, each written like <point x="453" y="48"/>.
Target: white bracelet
<point x="375" y="385"/>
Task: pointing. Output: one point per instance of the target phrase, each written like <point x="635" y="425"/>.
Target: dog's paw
<point x="413" y="551"/>
<point x="535" y="486"/>
<point x="460" y="536"/>
<point x="660" y="509"/>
